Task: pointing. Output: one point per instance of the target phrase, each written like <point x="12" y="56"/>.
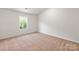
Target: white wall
<point x="63" y="23"/>
<point x="9" y="23"/>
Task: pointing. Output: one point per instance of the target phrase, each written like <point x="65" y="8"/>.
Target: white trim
<point x="65" y="38"/>
<point x="13" y="36"/>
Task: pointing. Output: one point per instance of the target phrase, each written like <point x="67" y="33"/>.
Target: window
<point x="23" y="22"/>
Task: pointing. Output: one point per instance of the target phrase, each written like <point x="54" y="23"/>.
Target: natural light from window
<point x="23" y="21"/>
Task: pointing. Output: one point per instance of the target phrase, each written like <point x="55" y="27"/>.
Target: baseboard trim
<point x="65" y="38"/>
<point x="17" y="36"/>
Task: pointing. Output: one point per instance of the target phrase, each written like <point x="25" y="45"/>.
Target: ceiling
<point x="35" y="11"/>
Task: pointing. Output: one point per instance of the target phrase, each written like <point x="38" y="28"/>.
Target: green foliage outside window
<point x="23" y="22"/>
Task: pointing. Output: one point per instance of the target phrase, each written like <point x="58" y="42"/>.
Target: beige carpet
<point x="37" y="42"/>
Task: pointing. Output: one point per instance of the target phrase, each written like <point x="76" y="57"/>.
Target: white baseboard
<point x="13" y="36"/>
<point x="61" y="37"/>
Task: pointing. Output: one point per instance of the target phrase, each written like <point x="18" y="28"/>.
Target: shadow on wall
<point x="63" y="22"/>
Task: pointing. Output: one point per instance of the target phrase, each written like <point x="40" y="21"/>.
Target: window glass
<point x="23" y="22"/>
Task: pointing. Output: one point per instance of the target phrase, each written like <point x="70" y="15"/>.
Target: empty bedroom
<point x="39" y="29"/>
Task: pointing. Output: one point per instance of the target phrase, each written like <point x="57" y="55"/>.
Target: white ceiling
<point x="29" y="10"/>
